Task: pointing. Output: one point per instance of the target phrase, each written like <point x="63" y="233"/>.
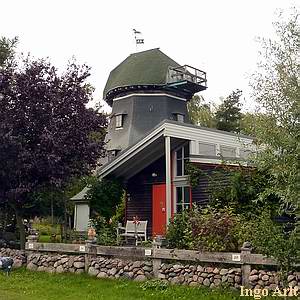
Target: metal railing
<point x="187" y="73"/>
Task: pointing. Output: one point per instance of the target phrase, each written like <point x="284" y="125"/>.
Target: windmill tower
<point x="145" y="89"/>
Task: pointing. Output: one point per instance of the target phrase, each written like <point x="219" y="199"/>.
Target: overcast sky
<point x="215" y="36"/>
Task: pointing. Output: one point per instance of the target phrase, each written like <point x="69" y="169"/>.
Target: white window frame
<point x="182" y="161"/>
<point x="228" y="148"/>
<point x="119" y="121"/>
<point x="207" y="144"/>
<point x="182" y="187"/>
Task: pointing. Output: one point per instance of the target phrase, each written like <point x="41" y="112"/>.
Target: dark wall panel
<point x="139" y="188"/>
<point x="201" y="193"/>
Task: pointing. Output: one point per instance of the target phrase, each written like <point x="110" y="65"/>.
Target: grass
<point x="25" y="285"/>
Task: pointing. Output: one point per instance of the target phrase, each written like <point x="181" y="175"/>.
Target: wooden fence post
<point x="156" y="262"/>
<point x="245" y="267"/>
<point x="91" y="251"/>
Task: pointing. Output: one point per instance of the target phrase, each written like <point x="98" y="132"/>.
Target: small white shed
<point x="82" y="210"/>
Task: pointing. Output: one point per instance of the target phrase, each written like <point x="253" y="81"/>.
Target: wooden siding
<point x="201" y="193"/>
<point x="140" y="189"/>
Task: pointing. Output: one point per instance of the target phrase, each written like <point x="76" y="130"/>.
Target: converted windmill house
<point x="150" y="139"/>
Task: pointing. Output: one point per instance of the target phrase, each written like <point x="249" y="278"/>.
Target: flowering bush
<point x="205" y="229"/>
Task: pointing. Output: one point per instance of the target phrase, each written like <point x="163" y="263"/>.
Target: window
<point x="244" y="153"/>
<point x="180" y="118"/>
<point x="182" y="198"/>
<point x="182" y="156"/>
<point x="207" y="149"/>
<point x="228" y="151"/>
<point x="119" y="121"/>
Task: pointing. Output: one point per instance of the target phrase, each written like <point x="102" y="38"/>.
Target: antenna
<point x="138" y="40"/>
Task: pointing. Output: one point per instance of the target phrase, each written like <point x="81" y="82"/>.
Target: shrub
<point x="106" y="231"/>
<point x="179" y="231"/>
<point x="206" y="229"/>
<point x="277" y="240"/>
<point x="213" y="230"/>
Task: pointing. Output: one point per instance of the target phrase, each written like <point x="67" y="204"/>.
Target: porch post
<point x="168" y="178"/>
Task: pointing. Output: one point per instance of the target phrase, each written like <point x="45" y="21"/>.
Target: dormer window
<point x="180" y="118"/>
<point x="119" y="121"/>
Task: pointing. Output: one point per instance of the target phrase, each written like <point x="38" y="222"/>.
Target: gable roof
<point x="146" y="67"/>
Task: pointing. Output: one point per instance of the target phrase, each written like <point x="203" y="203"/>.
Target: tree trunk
<point x="21" y="227"/>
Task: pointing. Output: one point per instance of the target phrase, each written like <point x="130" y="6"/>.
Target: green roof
<point x="146" y="67"/>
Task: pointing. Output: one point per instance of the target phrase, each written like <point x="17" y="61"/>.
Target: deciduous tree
<point x="276" y="88"/>
<point x="47" y="135"/>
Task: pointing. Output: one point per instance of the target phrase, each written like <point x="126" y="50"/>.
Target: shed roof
<point x="146" y="67"/>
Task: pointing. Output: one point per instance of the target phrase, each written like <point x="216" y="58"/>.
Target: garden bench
<point x="135" y="230"/>
<point x="6" y="264"/>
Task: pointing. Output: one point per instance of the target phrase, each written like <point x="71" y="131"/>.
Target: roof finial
<point x="137" y="39"/>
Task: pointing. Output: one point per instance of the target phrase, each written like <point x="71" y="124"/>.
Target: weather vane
<point x="137" y="38"/>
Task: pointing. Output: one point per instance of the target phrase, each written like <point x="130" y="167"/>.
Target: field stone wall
<point x="19" y="256"/>
<point x="56" y="263"/>
<point x="104" y="267"/>
<point x="141" y="270"/>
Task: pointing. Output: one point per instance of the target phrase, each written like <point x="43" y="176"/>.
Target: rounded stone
<point x="200" y="279"/>
<point x="31" y="267"/>
<point x="140" y="278"/>
<point x="60" y="269"/>
<point x="206" y="282"/>
<point x="265" y="277"/>
<point x="17" y="263"/>
<point x="253" y="277"/>
<point x="293" y="283"/>
<point x="253" y="272"/>
<point x="102" y="275"/>
<point x="78" y="264"/>
<point x="224" y="278"/>
<point x="223" y="271"/>
<point x="237" y="279"/>
<point x="193" y="283"/>
<point x="290" y="278"/>
<point x="93" y="271"/>
<point x="79" y="271"/>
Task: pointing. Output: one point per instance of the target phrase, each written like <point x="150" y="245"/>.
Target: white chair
<point x="134" y="230"/>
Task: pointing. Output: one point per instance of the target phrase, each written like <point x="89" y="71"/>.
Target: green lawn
<point x="25" y="285"/>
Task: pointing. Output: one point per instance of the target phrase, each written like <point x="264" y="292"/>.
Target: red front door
<point x="158" y="209"/>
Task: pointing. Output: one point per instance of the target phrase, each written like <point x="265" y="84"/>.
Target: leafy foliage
<point x="213" y="230"/>
<point x="194" y="174"/>
<point x="104" y="196"/>
<point x="276" y="88"/>
<point x="241" y="190"/>
<point x="179" y="231"/>
<point x="200" y="112"/>
<point x="206" y="229"/>
<point x="106" y="231"/>
<point x="7" y="47"/>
